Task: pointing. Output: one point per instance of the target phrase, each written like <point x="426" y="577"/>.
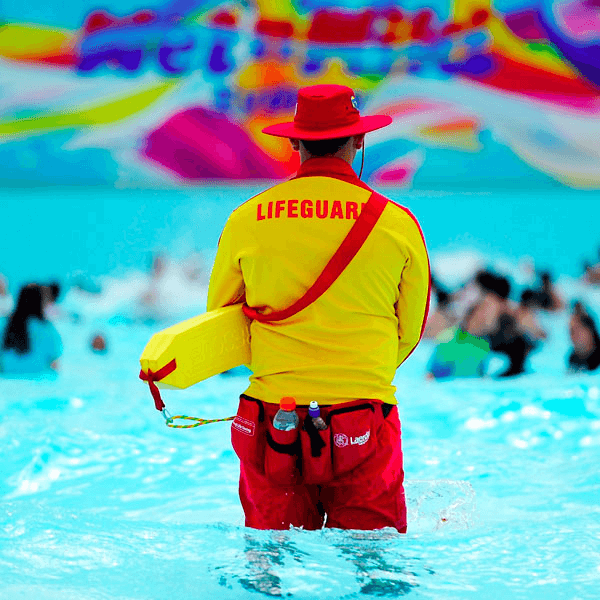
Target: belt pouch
<point x="282" y="454"/>
<point x="353" y="433"/>
<point x="248" y="433"/>
<point x="316" y="453"/>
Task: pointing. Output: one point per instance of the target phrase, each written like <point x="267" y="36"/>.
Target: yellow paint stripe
<point x="97" y="114"/>
<point x="19" y="40"/>
<point x="465" y="141"/>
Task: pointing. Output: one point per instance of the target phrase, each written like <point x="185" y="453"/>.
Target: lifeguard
<point x="341" y="348"/>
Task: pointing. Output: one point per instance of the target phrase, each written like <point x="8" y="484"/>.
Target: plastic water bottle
<point x="315" y="413"/>
<point x="286" y="417"/>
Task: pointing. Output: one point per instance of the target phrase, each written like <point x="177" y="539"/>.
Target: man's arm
<point x="413" y="304"/>
<point x="226" y="282"/>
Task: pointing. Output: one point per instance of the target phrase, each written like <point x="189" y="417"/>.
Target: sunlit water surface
<point x="102" y="500"/>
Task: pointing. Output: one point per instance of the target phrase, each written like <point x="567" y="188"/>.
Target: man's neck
<point x="346" y="153"/>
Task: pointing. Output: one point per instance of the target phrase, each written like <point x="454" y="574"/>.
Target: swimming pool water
<point x="50" y="232"/>
<point x="100" y="500"/>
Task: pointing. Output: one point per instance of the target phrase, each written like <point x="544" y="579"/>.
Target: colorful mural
<point x="481" y="93"/>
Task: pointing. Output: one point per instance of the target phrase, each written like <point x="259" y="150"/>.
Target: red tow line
<point x="152" y="377"/>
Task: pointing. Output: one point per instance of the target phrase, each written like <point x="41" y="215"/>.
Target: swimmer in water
<point x="585" y="355"/>
<point x="31" y="344"/>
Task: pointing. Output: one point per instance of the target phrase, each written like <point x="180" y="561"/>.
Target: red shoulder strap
<point x="339" y="261"/>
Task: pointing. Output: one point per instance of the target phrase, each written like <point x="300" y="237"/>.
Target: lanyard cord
<point x="152" y="377"/>
<point x="362" y="160"/>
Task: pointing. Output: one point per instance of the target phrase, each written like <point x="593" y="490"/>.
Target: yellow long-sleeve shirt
<point x="349" y="342"/>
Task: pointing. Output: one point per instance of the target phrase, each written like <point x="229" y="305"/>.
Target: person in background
<point x="443" y="316"/>
<point x="527" y="322"/>
<point x="51" y="294"/>
<point x="155" y="301"/>
<point x="343" y="349"/>
<point x="98" y="344"/>
<point x="591" y="272"/>
<point x="158" y="269"/>
<point x="546" y="296"/>
<point x="6" y="300"/>
<point x="506" y="335"/>
<point x="508" y="339"/>
<point x="493" y="301"/>
<point x="585" y="355"/>
<point x="30" y="344"/>
<point x="464" y="350"/>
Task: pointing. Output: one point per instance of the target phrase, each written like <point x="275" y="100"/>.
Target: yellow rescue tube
<point x="203" y="346"/>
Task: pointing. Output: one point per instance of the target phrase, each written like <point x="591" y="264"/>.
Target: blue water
<point x="100" y="500"/>
<point x="49" y="232"/>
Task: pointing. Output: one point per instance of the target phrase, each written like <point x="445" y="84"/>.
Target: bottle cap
<point x="313" y="409"/>
<point x="288" y="403"/>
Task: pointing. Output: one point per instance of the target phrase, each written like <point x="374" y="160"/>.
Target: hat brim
<point x="364" y="125"/>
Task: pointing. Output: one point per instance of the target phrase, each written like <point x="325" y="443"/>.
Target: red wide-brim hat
<point x="326" y="112"/>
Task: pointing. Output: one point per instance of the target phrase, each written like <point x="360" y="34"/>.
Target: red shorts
<point x="349" y="476"/>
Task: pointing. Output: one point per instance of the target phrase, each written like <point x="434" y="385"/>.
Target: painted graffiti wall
<point x="481" y="93"/>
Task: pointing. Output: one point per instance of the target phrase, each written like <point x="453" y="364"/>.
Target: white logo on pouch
<point x="340" y="440"/>
<point x="361" y="439"/>
<point x="244" y="425"/>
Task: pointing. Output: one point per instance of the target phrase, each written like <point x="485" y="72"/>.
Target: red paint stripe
<point x="67" y="59"/>
<point x="520" y="78"/>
